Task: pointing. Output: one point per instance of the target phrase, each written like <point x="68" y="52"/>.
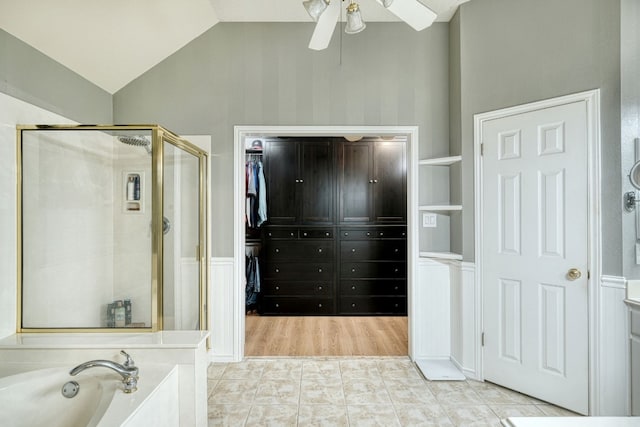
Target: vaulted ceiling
<point x="111" y="42"/>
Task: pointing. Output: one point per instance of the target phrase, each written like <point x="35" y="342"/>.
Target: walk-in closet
<point x="325" y="246"/>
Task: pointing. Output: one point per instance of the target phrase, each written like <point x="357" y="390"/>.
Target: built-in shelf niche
<point x="435" y="181"/>
<point x="133" y="192"/>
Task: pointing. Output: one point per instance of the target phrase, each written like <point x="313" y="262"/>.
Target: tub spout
<point x="128" y="371"/>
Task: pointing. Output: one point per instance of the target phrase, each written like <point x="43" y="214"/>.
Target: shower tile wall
<point x="132" y="233"/>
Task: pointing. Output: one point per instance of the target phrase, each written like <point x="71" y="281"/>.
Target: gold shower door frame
<point x="159" y="136"/>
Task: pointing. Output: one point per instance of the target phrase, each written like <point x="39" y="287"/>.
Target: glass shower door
<point x="182" y="251"/>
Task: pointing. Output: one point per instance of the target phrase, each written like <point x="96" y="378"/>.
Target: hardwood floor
<point x="326" y="336"/>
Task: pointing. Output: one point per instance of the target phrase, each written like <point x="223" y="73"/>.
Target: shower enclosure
<point x="112" y="232"/>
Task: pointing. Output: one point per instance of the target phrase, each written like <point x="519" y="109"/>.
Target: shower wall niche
<point x="112" y="232"/>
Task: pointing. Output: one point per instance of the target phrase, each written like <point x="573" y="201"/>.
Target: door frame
<point x="594" y="262"/>
<point x="413" y="142"/>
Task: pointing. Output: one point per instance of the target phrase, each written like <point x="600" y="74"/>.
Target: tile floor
<point x="364" y="391"/>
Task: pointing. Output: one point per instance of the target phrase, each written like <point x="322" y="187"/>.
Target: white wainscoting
<point x="431" y="318"/>
<point x="221" y="310"/>
<point x="613" y="364"/>
<point x="465" y="319"/>
<point x="447" y="318"/>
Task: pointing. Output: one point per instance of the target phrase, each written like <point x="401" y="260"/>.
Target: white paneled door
<point x="535" y="253"/>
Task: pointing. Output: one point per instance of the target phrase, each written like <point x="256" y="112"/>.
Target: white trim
<point x="592" y="100"/>
<point x="613" y="282"/>
<point x="238" y="225"/>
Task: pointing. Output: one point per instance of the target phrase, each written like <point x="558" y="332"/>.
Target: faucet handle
<point x="129" y="363"/>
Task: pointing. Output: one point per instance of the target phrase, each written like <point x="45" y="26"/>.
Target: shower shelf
<point x="132" y="194"/>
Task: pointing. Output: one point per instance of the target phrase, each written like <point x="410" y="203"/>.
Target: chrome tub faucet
<point x="128" y="370"/>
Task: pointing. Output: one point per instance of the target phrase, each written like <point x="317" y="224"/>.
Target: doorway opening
<point x="323" y="335"/>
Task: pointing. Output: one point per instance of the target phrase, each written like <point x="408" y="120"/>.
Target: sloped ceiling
<point x="111" y="42"/>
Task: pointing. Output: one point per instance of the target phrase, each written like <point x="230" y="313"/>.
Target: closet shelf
<point x="440" y="161"/>
<point x="440" y="208"/>
<point x="441" y="255"/>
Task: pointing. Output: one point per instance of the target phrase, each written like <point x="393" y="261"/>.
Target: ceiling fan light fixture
<point x="355" y="24"/>
<point x="387" y="3"/>
<point x="315" y="8"/>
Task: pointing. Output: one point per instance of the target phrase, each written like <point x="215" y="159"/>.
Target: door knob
<point x="574" y="274"/>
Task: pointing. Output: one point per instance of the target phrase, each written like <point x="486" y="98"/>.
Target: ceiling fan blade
<point x="325" y="26"/>
<point x="413" y="13"/>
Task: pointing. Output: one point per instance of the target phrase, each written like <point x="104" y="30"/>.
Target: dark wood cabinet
<point x="373" y="270"/>
<point x="298" y="271"/>
<point x="300" y="181"/>
<point x="335" y="240"/>
<point x="372" y="182"/>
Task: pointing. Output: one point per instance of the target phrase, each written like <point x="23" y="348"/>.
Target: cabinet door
<point x="316" y="189"/>
<point x="281" y="170"/>
<point x="389" y="177"/>
<point x="355" y="182"/>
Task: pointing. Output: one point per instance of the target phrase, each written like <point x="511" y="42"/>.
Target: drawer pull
<point x="396" y="250"/>
<point x="353" y="304"/>
<point x="396" y="305"/>
<point x="327" y="234"/>
<point x="353" y="250"/>
<point x="353" y="270"/>
<point x="277" y="288"/>
<point x="319" y="250"/>
<point x="319" y="288"/>
<point x="291" y="234"/>
<point x="269" y="233"/>
<point x="395" y="270"/>
<point x="277" y="305"/>
<point x="320" y="305"/>
<point x="395" y="288"/>
<point x="381" y="233"/>
<point x="319" y="270"/>
<point x="304" y="234"/>
<point x="277" y="250"/>
<point x="346" y="234"/>
<point x="277" y="270"/>
<point x="353" y="287"/>
<point x="368" y="233"/>
<point x="404" y="234"/>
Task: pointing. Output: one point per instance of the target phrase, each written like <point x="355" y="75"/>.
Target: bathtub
<point x="34" y="399"/>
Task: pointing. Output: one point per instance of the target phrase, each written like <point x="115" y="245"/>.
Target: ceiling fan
<point x="327" y="12"/>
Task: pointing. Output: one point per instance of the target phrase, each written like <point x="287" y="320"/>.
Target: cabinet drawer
<point x="373" y="250"/>
<point x="316" y="233"/>
<point x="373" y="270"/>
<point x="373" y="305"/>
<point x="635" y="322"/>
<point x="283" y="287"/>
<point x="373" y="233"/>
<point x="298" y="271"/>
<point x="296" y="305"/>
<point x="373" y="287"/>
<point x="298" y="250"/>
<point x="281" y="233"/>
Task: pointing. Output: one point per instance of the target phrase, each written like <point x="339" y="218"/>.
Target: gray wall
<point x="29" y="75"/>
<point x="630" y="112"/>
<point x="518" y="51"/>
<point x="263" y="73"/>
